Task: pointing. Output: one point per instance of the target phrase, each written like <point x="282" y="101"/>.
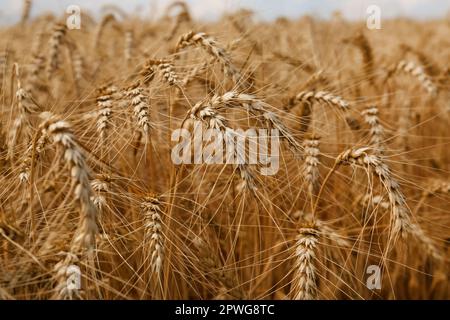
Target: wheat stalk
<point x="107" y="19"/>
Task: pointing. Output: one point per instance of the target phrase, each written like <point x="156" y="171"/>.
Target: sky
<point x="265" y="9"/>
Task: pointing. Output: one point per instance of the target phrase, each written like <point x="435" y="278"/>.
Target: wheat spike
<point x="310" y="167"/>
<point x="66" y="289"/>
<point x="55" y="42"/>
<point x="304" y="284"/>
<point x="154" y="237"/>
<point x="322" y="96"/>
<point x="401" y="220"/>
<point x="418" y="72"/>
<point x="61" y="134"/>
<point x="376" y="128"/>
<point x="139" y="103"/>
<point x="208" y="43"/>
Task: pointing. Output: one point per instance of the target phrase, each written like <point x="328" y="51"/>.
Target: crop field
<point x="121" y="176"/>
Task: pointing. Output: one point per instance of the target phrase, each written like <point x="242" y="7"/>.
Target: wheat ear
<point x="400" y="214"/>
<point x="65" y="288"/>
<point x="181" y="17"/>
<point x="77" y="64"/>
<point x="55" y="42"/>
<point x="25" y="167"/>
<point x="376" y="128"/>
<point x="304" y="284"/>
<point x="26" y="107"/>
<point x="139" y="102"/>
<point x="254" y="106"/>
<point x="105" y="105"/>
<point x="322" y="96"/>
<point x="310" y="167"/>
<point x="128" y="46"/>
<point x="417" y="72"/>
<point x="61" y="134"/>
<point x="362" y="43"/>
<point x="207" y="114"/>
<point x="430" y="67"/>
<point x="154" y="237"/>
<point x="165" y="68"/>
<point x="26" y="11"/>
<point x="200" y="68"/>
<point x="211" y="46"/>
<point x="213" y="266"/>
<point x="401" y="221"/>
<point x="101" y="188"/>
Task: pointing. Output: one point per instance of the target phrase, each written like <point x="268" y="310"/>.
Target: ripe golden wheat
<point x="89" y="183"/>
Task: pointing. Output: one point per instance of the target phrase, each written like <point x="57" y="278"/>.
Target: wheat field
<point x="89" y="183"/>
